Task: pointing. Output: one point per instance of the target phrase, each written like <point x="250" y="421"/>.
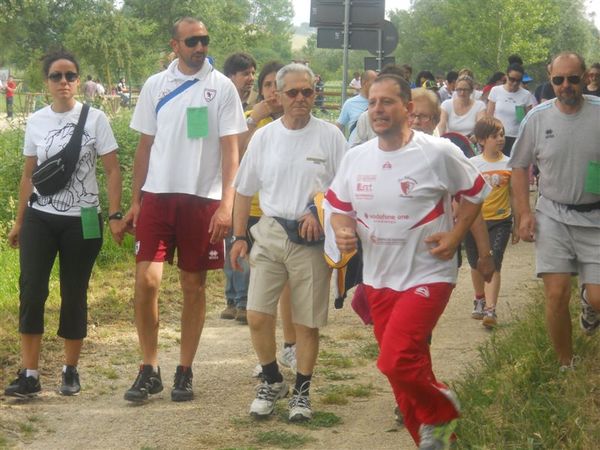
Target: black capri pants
<point x="499" y="231"/>
<point x="42" y="237"/>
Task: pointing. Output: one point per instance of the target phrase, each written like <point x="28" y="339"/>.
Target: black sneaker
<point x="70" y="381"/>
<point x="182" y="387"/>
<point x="23" y="386"/>
<point x="147" y="382"/>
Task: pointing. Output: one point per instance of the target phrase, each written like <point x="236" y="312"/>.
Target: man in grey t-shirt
<point x="561" y="137"/>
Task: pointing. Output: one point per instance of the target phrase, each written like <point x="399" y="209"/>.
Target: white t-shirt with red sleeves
<point x="289" y="167"/>
<point x="178" y="163"/>
<point x="399" y="198"/>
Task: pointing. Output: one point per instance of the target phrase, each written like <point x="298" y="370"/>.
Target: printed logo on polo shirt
<point x="209" y="94"/>
<point x="407" y="184"/>
<point x="213" y="255"/>
<point x="423" y="291"/>
<point x="383" y="217"/>
<point x="364" y="187"/>
<point x="137" y="247"/>
<point x="386" y="165"/>
<point x="549" y="133"/>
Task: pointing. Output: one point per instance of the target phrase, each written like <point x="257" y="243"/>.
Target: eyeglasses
<point x="293" y="93"/>
<point x="58" y="76"/>
<point x="192" y="41"/>
<point x="419" y="117"/>
<point x="462" y="90"/>
<point x="572" y="79"/>
<point x="515" y="80"/>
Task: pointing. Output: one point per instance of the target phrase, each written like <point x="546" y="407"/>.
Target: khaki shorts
<point x="570" y="249"/>
<point x="275" y="260"/>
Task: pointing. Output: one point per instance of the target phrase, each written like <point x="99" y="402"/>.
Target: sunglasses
<point x="293" y="93"/>
<point x="419" y="117"/>
<point x="572" y="79"/>
<point x="58" y="76"/>
<point x="192" y="41"/>
<point x="515" y="80"/>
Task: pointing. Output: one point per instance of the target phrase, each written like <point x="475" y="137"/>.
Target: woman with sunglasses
<point x="509" y="103"/>
<point x="593" y="80"/>
<point x="67" y="223"/>
<point x="460" y="113"/>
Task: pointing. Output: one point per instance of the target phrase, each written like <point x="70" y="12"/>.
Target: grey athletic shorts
<point x="570" y="249"/>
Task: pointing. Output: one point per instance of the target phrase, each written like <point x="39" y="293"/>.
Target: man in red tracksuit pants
<point x="394" y="193"/>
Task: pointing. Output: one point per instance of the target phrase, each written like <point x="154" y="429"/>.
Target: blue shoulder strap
<point x="175" y="92"/>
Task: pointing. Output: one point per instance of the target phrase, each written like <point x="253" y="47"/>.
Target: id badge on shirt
<point x="197" y="122"/>
<point x="592" y="179"/>
<point x="520" y="112"/>
<point x="90" y="224"/>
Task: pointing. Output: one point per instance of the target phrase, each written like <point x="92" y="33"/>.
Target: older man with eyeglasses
<point x="287" y="162"/>
<point x="189" y="118"/>
<point x="561" y="137"/>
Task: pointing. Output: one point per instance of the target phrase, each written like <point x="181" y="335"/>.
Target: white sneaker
<point x="287" y="357"/>
<point x="266" y="396"/>
<point x="589" y="319"/>
<point x="300" y="408"/>
<point x="436" y="437"/>
<point x="478" y="307"/>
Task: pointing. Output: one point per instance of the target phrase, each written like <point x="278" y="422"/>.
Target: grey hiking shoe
<point x="287" y="357"/>
<point x="147" y="382"/>
<point x="23" y="386"/>
<point x="589" y="319"/>
<point x="436" y="437"/>
<point x="70" y="382"/>
<point x="478" y="308"/>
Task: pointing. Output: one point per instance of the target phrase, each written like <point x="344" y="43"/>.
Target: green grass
<point x="333" y="375"/>
<point x="517" y="399"/>
<point x="337" y="394"/>
<point x="282" y="439"/>
<point x="368" y="351"/>
<point x="332" y="359"/>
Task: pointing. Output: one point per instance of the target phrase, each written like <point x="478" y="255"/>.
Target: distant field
<point x="298" y="41"/>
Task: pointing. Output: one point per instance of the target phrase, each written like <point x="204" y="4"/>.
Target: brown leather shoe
<point x="240" y="316"/>
<point x="229" y="313"/>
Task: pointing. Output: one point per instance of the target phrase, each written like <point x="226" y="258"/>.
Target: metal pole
<point x="346" y="43"/>
<point x="380" y="49"/>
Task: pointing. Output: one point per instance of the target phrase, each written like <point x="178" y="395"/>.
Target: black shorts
<point x="499" y="231"/>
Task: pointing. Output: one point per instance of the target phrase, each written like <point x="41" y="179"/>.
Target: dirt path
<point x="217" y="418"/>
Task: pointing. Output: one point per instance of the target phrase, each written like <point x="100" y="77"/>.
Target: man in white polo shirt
<point x="189" y="117"/>
<point x="394" y="193"/>
<point x="287" y="162"/>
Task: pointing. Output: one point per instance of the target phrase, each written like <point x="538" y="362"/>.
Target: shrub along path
<point x="353" y="401"/>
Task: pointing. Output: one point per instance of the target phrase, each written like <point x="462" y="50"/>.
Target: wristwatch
<point x="116" y="216"/>
<point x="239" y="238"/>
<point x="250" y="121"/>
